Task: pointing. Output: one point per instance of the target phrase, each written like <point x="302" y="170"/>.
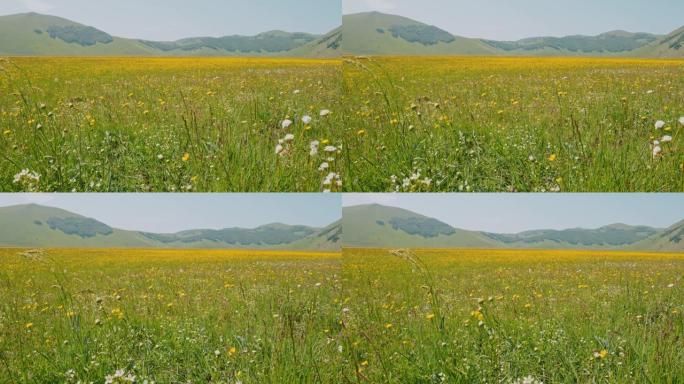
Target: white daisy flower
<point x="279" y="149"/>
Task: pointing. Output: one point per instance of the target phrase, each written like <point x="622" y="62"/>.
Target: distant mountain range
<point x="33" y="34"/>
<point x="388" y="227"/>
<point x="39" y="226"/>
<point x="375" y="33"/>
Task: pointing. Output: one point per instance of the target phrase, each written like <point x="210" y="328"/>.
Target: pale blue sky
<point x="516" y="19"/>
<point x="167" y="213"/>
<point x="512" y="213"/>
<point x="175" y="19"/>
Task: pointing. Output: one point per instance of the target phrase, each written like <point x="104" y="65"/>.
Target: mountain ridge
<point x="368" y="227"/>
<point x="35" y="34"/>
<point x="33" y="225"/>
<point x="366" y="33"/>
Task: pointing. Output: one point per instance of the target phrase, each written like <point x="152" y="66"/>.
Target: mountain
<point x="38" y="226"/>
<point x="327" y="45"/>
<point x="387" y="227"/>
<point x="671" y="45"/>
<point x="325" y="239"/>
<point x="381" y="226"/>
<point x="610" y="43"/>
<point x="375" y="33"/>
<point x="668" y="240"/>
<point x="36" y="34"/>
<point x="611" y="236"/>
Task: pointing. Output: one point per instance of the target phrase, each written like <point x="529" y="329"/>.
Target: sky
<point x="169" y="213"/>
<point x="513" y="213"/>
<point x="517" y="19"/>
<point x="175" y="19"/>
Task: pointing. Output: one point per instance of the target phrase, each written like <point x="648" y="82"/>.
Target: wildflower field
<point x="145" y="316"/>
<point x="169" y="124"/>
<point x="523" y="316"/>
<point x="514" y="124"/>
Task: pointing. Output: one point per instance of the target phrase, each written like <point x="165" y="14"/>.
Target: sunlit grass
<point x="514" y="124"/>
<point x="79" y="315"/>
<point x="166" y="124"/>
<point x="473" y="316"/>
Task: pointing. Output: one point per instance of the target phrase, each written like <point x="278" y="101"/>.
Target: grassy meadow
<point x="77" y="315"/>
<point x="514" y="124"/>
<point x="169" y="124"/>
<point x="477" y="316"/>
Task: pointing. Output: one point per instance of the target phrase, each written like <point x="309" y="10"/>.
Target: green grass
<point x="142" y="124"/>
<point x="513" y="124"/>
<point x="70" y="316"/>
<point x="458" y="316"/>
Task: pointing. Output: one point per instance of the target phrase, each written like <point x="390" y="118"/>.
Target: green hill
<point x="380" y="226"/>
<point x="387" y="227"/>
<point x="328" y="45"/>
<point x="609" y="237"/>
<point x="39" y="226"/>
<point x="668" y="240"/>
<point x="33" y="34"/>
<point x="375" y="33"/>
<point x="671" y="45"/>
<point x="610" y="43"/>
<point x="325" y="239"/>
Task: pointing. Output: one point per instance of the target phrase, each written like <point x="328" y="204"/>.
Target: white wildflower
<point x="160" y="156"/>
<point x="26" y="175"/>
<point x="325" y="112"/>
<point x="314" y="147"/>
<point x="681" y="120"/>
<point x="288" y="138"/>
<point x="286" y="123"/>
<point x="324" y="167"/>
<point x="659" y="124"/>
<point x="657" y="150"/>
<point x="297" y="92"/>
<point x="330" y="149"/>
<point x="120" y="376"/>
<point x="666" y="139"/>
<point x="306" y="119"/>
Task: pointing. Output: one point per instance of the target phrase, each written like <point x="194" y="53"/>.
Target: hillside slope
<point x="380" y="226"/>
<point x="377" y="226"/>
<point x="668" y="240"/>
<point x="33" y="34"/>
<point x="375" y="33"/>
<point x="38" y="226"/>
<point x="671" y="46"/>
<point x="328" y="45"/>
